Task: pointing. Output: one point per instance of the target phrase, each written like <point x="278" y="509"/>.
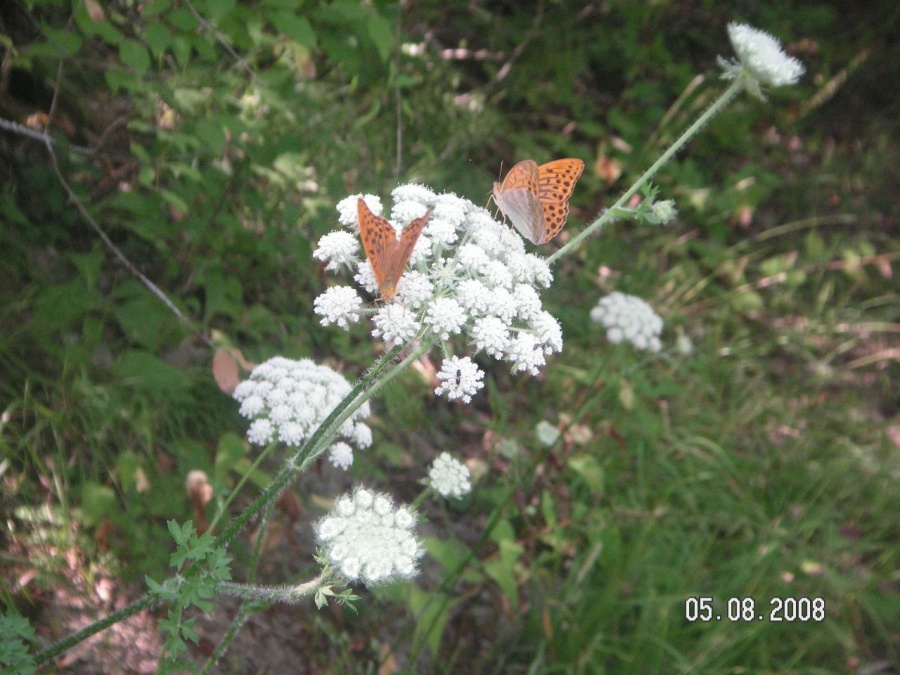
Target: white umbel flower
<point x="469" y="282"/>
<point x="339" y="305"/>
<point x="367" y="538"/>
<point x="449" y="477"/>
<point x="760" y="60"/>
<point x="630" y="319"/>
<point x="288" y="400"/>
<point x="460" y="378"/>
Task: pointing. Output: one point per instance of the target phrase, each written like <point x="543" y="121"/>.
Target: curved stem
<point x="283" y="593"/>
<point x="733" y="90"/>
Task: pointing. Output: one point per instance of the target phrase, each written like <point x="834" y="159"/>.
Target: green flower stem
<point x="727" y="96"/>
<point x="285" y="593"/>
<point x="236" y="625"/>
<point x="235" y="491"/>
<point x="364" y="396"/>
<point x="67" y="643"/>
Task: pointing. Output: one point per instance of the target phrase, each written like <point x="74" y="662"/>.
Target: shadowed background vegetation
<point x="210" y="141"/>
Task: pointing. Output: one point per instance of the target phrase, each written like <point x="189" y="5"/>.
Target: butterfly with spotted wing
<point x="387" y="255"/>
<point x="536" y="198"/>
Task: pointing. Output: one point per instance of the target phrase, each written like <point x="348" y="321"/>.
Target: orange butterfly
<point x="536" y="198"/>
<point x="386" y="254"/>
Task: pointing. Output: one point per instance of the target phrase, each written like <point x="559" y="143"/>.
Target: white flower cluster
<point x="366" y="538"/>
<point x="449" y="477"/>
<point x="289" y="400"/>
<point x="469" y="275"/>
<point x="627" y="317"/>
<point x="760" y="60"/>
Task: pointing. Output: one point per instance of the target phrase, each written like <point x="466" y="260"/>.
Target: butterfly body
<point x="536" y="198"/>
<point x="387" y="254"/>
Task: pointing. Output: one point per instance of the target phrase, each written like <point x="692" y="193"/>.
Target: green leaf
<point x="404" y="81"/>
<point x="120" y="79"/>
<point x="155" y="7"/>
<point x="347" y="9"/>
<point x="295" y="27"/>
<point x="134" y="55"/>
<point x="180" y="533"/>
<point x="188" y="631"/>
<point x="230" y="450"/>
<point x="431" y="610"/>
<point x="150" y="376"/>
<point x="184" y="20"/>
<point x="145" y="321"/>
<point x="211" y="135"/>
<point x="181" y="48"/>
<point x="216" y="9"/>
<point x="175" y="200"/>
<point x="223" y="294"/>
<point x="127" y="467"/>
<point x="450" y="553"/>
<point x="14" y="657"/>
<point x="158" y="38"/>
<point x="502" y="568"/>
<point x="64" y="42"/>
<point x="380" y="31"/>
<point x="55" y="307"/>
<point x="590" y="470"/>
<point x="102" y="29"/>
<point x="97" y="502"/>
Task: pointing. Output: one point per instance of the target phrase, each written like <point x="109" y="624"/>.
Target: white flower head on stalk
<point x="367" y="538"/>
<point x="449" y="477"/>
<point x="760" y="60"/>
<point x="288" y="400"/>
<point x="468" y="276"/>
<point x="628" y="318"/>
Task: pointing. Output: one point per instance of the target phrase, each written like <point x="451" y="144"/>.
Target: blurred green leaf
<point x="64" y="42"/>
<point x="382" y="34"/>
<point x="295" y="27"/>
<point x="590" y="470"/>
<point x="134" y="55"/>
<point x="432" y="609"/>
<point x="97" y="502"/>
<point x="230" y="450"/>
<point x="158" y="38"/>
<point x="216" y="9"/>
<point x="144" y="373"/>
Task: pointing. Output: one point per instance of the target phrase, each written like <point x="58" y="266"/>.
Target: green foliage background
<point x="210" y="141"/>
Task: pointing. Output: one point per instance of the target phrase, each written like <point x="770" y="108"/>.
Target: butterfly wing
<point x="518" y="198"/>
<point x="387" y="256"/>
<point x="556" y="182"/>
<point x="400" y="255"/>
<point x="378" y="240"/>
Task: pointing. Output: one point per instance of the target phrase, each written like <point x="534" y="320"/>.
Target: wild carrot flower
<point x="449" y="477"/>
<point x="760" y="60"/>
<point x="367" y="538"/>
<point x="288" y="400"/>
<point x="468" y="277"/>
<point x="628" y="318"/>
